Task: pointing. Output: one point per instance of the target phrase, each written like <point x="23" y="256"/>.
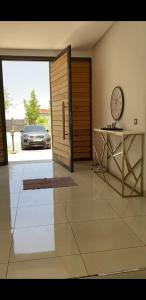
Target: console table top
<point x="121" y="133"/>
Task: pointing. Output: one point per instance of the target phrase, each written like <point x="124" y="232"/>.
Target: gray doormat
<point x="46" y="183"/>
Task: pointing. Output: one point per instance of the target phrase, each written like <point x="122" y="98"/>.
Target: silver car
<point x="35" y="136"/>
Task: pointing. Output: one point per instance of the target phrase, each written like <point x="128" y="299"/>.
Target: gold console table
<point x="126" y="170"/>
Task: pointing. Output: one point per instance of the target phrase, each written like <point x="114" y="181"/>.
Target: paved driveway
<point x="31" y="155"/>
<point x="26" y="155"/>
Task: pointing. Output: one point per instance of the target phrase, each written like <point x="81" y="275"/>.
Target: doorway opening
<point x="71" y="117"/>
<point x="27" y="110"/>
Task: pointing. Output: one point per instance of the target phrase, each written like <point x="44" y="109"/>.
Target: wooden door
<point x="81" y="108"/>
<point x="61" y="109"/>
<point x="3" y="140"/>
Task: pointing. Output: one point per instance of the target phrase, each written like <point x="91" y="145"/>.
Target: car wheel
<point x="22" y="147"/>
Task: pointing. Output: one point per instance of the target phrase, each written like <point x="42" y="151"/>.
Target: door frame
<point x="48" y="59"/>
<point x="3" y="119"/>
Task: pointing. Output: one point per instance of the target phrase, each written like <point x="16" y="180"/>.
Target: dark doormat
<point x="47" y="183"/>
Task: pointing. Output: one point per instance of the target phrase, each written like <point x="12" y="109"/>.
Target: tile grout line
<point x="35" y="226"/>
<point x="90" y="252"/>
<point x="13" y="228"/>
<point x="110" y="250"/>
<point x="76" y="241"/>
<point x="78" y="248"/>
<point x="42" y="258"/>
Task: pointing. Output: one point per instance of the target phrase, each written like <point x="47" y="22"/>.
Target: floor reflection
<point x="34" y="240"/>
<point x="67" y="232"/>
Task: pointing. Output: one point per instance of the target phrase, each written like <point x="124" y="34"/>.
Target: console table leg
<point x="142" y="136"/>
<point x="123" y="152"/>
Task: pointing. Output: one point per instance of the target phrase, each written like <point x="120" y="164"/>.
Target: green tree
<point x="32" y="109"/>
<point x="43" y="121"/>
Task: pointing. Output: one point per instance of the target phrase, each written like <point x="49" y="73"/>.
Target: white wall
<point x="119" y="58"/>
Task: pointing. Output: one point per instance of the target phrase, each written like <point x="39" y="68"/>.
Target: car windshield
<point x="34" y="128"/>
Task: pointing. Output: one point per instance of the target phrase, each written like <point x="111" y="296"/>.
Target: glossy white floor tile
<point x="36" y="197"/>
<point x="40" y="215"/>
<point x="15" y="187"/>
<point x="3" y="270"/>
<point x="5" y="199"/>
<point x="58" y="267"/>
<point x="103" y="235"/>
<point x="14" y="198"/>
<point x="93" y="183"/>
<point x="40" y="170"/>
<point x="115" y="260"/>
<point x="7" y="217"/>
<point x="109" y="194"/>
<point x="127" y="207"/>
<point x="41" y="242"/>
<point x="5" y="243"/>
<point x="88" y="210"/>
<point x="77" y="193"/>
<point x="5" y="188"/>
<point x="67" y="232"/>
<point x="138" y="225"/>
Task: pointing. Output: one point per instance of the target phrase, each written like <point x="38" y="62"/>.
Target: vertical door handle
<point x="63" y="119"/>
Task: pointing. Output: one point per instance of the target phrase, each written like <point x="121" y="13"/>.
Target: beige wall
<point x="119" y="58"/>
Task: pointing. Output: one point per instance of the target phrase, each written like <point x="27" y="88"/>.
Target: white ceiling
<point x="44" y="35"/>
